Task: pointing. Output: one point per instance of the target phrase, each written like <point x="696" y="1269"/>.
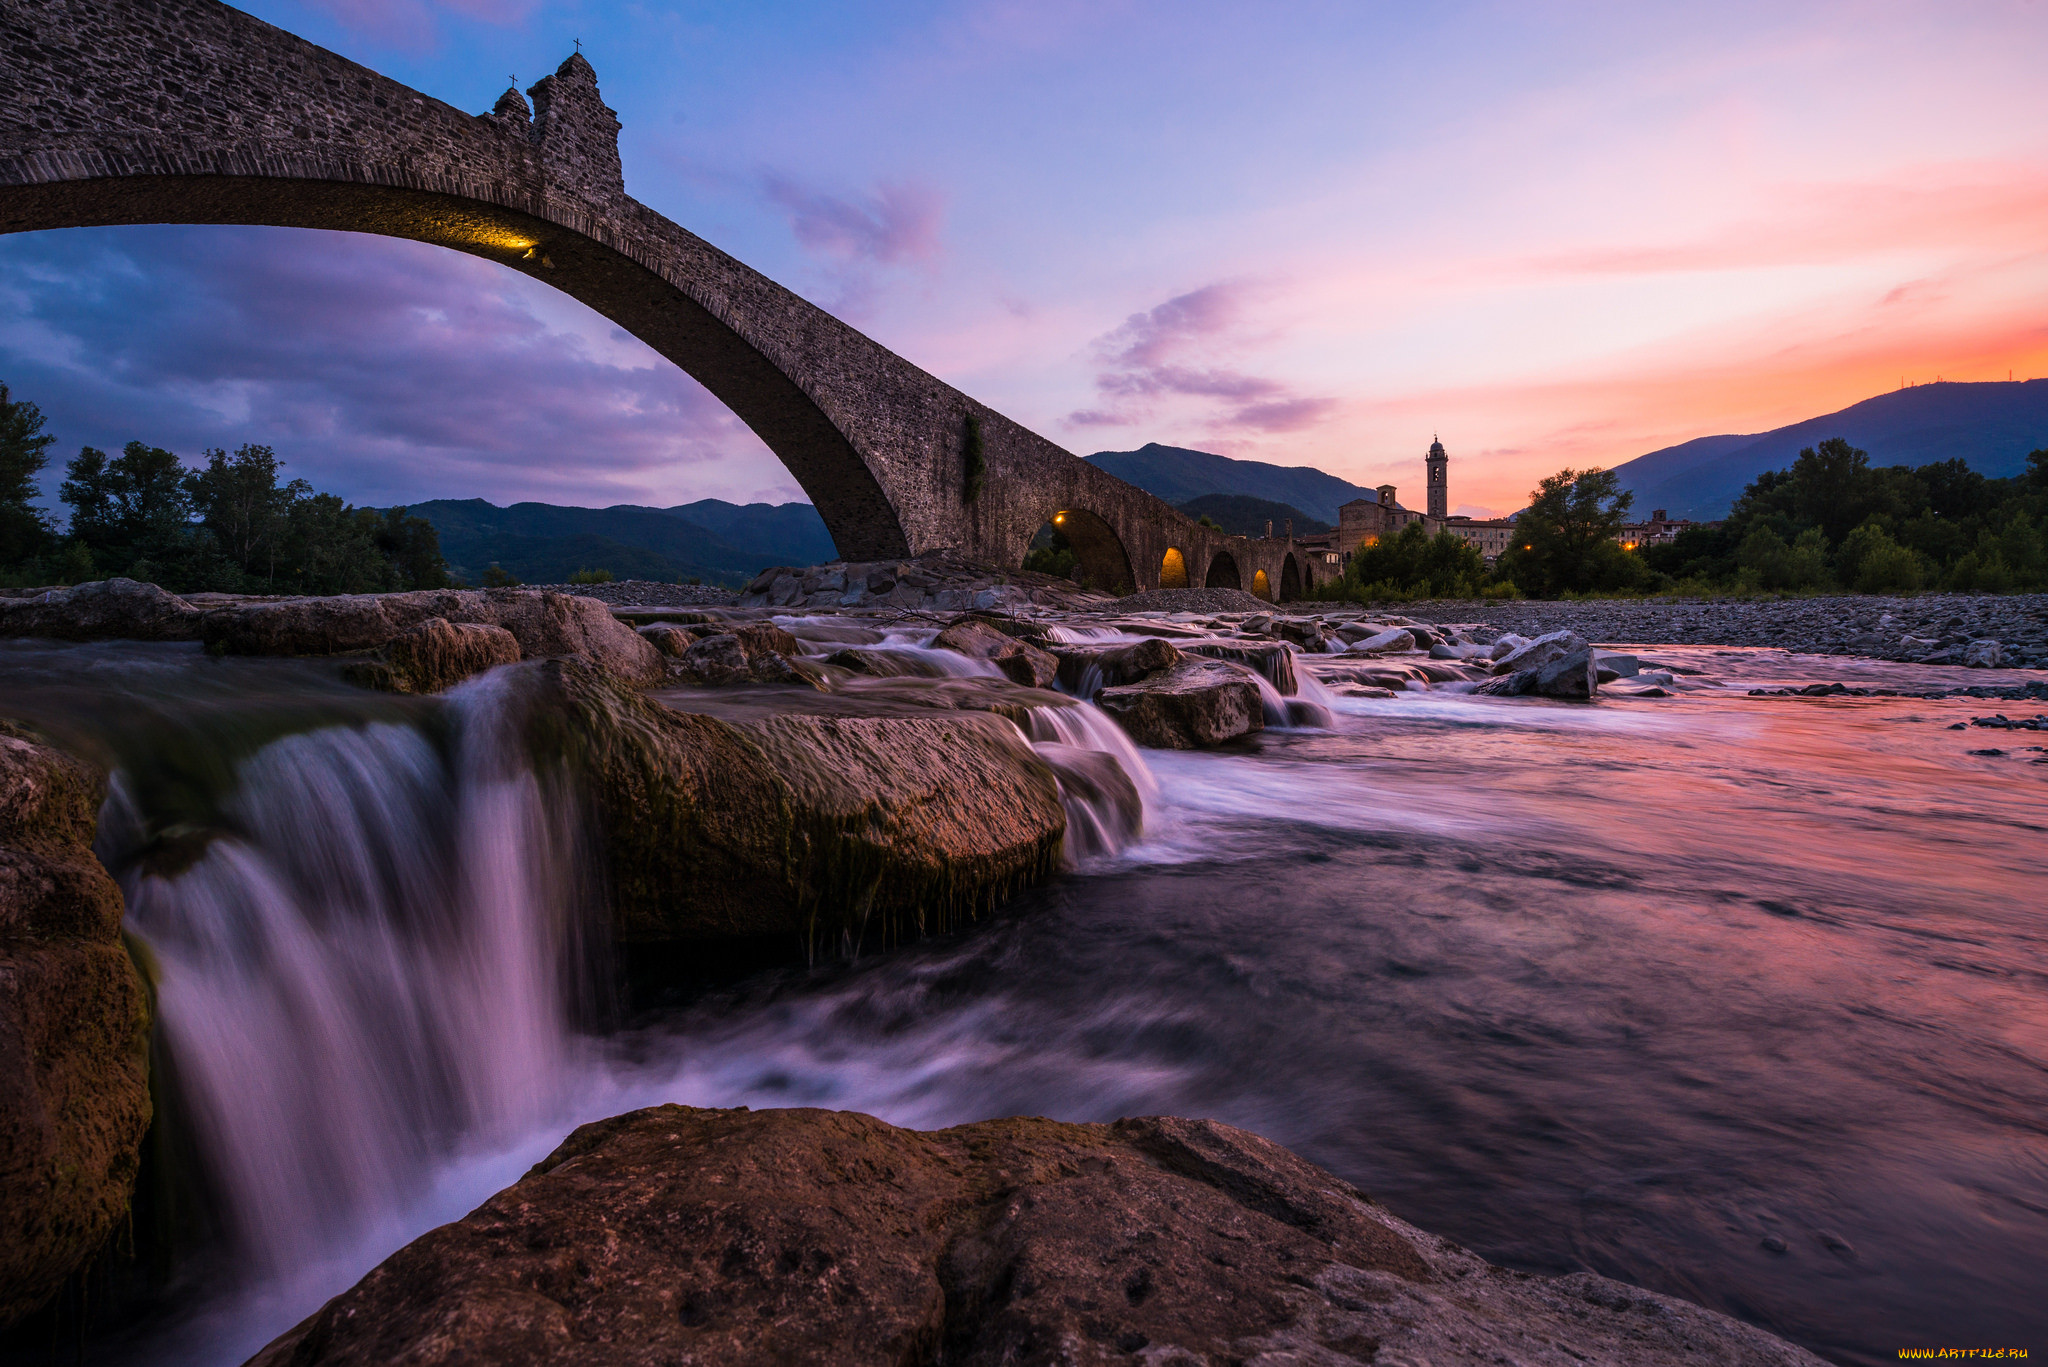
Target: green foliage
<point x="1834" y="521"/>
<point x="1411" y="564"/>
<point x="1051" y="553"/>
<point x="228" y="525"/>
<point x="591" y="577"/>
<point x="1564" y="540"/>
<point x="496" y="578"/>
<point x="24" y="448"/>
<point x="975" y="459"/>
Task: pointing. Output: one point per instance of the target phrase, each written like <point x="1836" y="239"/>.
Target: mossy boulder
<point x="74" y="1029"/>
<point x="811" y="831"/>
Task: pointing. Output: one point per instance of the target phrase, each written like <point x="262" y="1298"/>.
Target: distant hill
<point x="1243" y="515"/>
<point x="544" y="543"/>
<point x="1176" y="474"/>
<point x="1992" y="426"/>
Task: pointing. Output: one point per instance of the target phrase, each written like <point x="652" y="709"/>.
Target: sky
<point x="1555" y="234"/>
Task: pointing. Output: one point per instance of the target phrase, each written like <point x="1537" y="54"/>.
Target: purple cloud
<point x="1147" y="357"/>
<point x="899" y="222"/>
<point x="384" y="371"/>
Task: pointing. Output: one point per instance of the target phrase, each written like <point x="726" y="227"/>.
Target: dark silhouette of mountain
<point x="1992" y="426"/>
<point x="1176" y="474"/>
<point x="1243" y="515"/>
<point x="544" y="543"/>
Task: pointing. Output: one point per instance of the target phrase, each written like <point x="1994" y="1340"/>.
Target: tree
<point x="1414" y="564"/>
<point x="1564" y="541"/>
<point x="414" y="549"/>
<point x="24" y="447"/>
<point x="238" y="500"/>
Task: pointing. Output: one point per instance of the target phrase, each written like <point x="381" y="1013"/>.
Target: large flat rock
<point x="709" y="1237"/>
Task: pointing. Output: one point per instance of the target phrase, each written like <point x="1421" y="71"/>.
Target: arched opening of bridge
<point x="1223" y="572"/>
<point x="1079" y="545"/>
<point x="1262" y="587"/>
<point x="1173" y="569"/>
<point x="631" y="296"/>
<point x="1290" y="580"/>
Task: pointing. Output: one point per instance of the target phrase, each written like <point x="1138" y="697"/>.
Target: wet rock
<point x="1506" y="644"/>
<point x="435" y="655"/>
<point x="1307" y="634"/>
<point x="1393" y="638"/>
<point x="544" y="624"/>
<point x="74" y="1029"/>
<point x="672" y="641"/>
<point x="1020" y="661"/>
<point x="1195" y="704"/>
<point x="830" y="1239"/>
<point x="1574" y="677"/>
<point x="752" y="652"/>
<point x="108" y="610"/>
<point x="1550" y="646"/>
<point x="1984" y="654"/>
<point x="1104" y="811"/>
<point x="1276" y="662"/>
<point x="797" y="830"/>
<point x="1113" y="666"/>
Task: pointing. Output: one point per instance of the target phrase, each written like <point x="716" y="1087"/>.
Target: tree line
<point x="1830" y="522"/>
<point x="229" y="526"/>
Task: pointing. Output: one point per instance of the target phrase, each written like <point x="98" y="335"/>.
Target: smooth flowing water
<point x="1740" y="998"/>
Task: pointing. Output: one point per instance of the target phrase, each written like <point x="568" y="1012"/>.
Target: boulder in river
<point x="831" y="1239"/>
<point x="1195" y="704"/>
<point x="1550" y="646"/>
<point x="797" y="830"/>
<point x="1114" y="665"/>
<point x="1575" y="677"/>
<point x="754" y="652"/>
<point x="1020" y="661"/>
<point x="107" y="610"/>
<point x="668" y="638"/>
<point x="1985" y="654"/>
<point x="435" y="655"/>
<point x="74" y="1029"/>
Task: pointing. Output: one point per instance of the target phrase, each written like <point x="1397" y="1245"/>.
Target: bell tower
<point x="1439" y="463"/>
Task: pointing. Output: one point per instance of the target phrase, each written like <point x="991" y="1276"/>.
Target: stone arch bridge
<point x="188" y="111"/>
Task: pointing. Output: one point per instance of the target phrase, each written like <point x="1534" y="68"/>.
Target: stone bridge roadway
<point x="187" y="111"/>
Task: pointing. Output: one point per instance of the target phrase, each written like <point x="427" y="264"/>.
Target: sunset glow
<point x="1556" y="235"/>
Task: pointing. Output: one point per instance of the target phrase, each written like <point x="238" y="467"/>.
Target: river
<point x="1739" y="998"/>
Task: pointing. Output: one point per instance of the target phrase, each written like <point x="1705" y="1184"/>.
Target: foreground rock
<point x="111" y="609"/>
<point x="1193" y="705"/>
<point x="677" y="1235"/>
<point x="798" y="830"/>
<point x="74" y="1029"/>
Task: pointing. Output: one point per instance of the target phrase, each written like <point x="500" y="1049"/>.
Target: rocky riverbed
<point x="878" y="759"/>
<point x="1935" y="628"/>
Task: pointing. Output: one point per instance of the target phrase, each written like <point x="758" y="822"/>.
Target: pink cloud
<point x="899" y="222"/>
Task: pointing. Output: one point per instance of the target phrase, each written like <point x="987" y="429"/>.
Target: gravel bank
<point x="1198" y="600"/>
<point x="646" y="593"/>
<point x="1923" y="629"/>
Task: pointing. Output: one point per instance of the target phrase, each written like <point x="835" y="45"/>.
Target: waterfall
<point x="373" y="962"/>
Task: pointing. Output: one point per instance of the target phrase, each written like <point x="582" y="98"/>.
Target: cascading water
<point x="372" y="963"/>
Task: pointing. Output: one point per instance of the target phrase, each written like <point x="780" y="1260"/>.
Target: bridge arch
<point x="1262" y="585"/>
<point x="1173" y="569"/>
<point x="1098" y="549"/>
<point x="1290" y="579"/>
<point x="267" y="129"/>
<point x="1223" y="572"/>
